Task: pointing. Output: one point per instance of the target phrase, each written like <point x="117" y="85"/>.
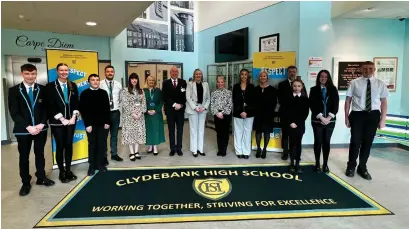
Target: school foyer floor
<point x="388" y="166"/>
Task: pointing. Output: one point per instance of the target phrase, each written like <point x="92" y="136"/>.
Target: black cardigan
<point x="297" y="112"/>
<point x="317" y="106"/>
<point x="94" y="107"/>
<point x="238" y="101"/>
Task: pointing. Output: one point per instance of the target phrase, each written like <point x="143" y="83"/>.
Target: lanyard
<point x="152" y="95"/>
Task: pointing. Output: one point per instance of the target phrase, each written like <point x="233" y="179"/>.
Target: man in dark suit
<point x="285" y="92"/>
<point x="28" y="111"/>
<point x="174" y="95"/>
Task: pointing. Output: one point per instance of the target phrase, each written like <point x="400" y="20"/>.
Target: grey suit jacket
<point x="191" y="98"/>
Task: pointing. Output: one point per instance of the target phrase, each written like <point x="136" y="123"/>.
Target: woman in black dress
<point x="265" y="103"/>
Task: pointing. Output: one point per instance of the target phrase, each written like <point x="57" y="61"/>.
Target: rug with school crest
<point x="207" y="193"/>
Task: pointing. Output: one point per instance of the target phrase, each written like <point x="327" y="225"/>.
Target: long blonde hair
<point x="146" y="82"/>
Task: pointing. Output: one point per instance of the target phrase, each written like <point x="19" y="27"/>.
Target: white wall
<point x="212" y="13"/>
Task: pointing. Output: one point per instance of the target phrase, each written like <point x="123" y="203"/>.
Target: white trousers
<point x="242" y="135"/>
<point x="197" y="125"/>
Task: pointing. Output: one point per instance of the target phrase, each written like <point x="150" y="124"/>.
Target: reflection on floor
<point x="389" y="168"/>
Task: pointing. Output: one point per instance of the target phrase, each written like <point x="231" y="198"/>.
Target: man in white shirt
<point x="368" y="96"/>
<point x="113" y="88"/>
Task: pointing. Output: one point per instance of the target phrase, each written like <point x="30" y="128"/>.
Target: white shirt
<point x="297" y="94"/>
<point x="357" y="90"/>
<point x="74" y="112"/>
<point x="28" y="87"/>
<point x="116" y="91"/>
<point x="174" y="81"/>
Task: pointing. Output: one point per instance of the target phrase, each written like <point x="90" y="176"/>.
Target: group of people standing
<point x="34" y="107"/>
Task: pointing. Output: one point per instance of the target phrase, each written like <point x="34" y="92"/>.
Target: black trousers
<point x="322" y="140"/>
<point x="363" y="131"/>
<point x="266" y="135"/>
<point x="63" y="136"/>
<point x="295" y="140"/>
<point x="24" y="146"/>
<point x="175" y="118"/>
<point x="223" y="132"/>
<point x="285" y="140"/>
<point x="97" y="141"/>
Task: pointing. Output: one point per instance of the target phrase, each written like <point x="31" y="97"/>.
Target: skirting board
<point x="5" y="142"/>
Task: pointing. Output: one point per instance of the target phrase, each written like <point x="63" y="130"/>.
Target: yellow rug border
<point x="44" y="223"/>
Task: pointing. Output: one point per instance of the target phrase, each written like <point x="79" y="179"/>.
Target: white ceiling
<point x="70" y="17"/>
<point x="381" y="9"/>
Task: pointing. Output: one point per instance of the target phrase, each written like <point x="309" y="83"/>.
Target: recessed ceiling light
<point x="21" y="16"/>
<point x="369" y="9"/>
<point x="91" y="23"/>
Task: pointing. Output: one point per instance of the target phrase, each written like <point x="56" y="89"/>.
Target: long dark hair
<point x="68" y="80"/>
<point x="248" y="75"/>
<point x="130" y="86"/>
<point x="329" y="79"/>
<point x="303" y="90"/>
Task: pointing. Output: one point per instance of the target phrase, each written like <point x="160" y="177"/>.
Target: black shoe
<point x="201" y="154"/>
<point x="284" y="157"/>
<point x="240" y="156"/>
<point x="132" y="157"/>
<point x="364" y="175"/>
<point x="317" y="169"/>
<point x="223" y="154"/>
<point x="137" y="156"/>
<point x="91" y="172"/>
<point x="246" y="156"/>
<point x="298" y="169"/>
<point x="325" y="168"/>
<point x="350" y="173"/>
<point x="63" y="177"/>
<point x="155" y="154"/>
<point x="103" y="169"/>
<point x="172" y="153"/>
<point x="258" y="154"/>
<point x="180" y="153"/>
<point x="264" y="154"/>
<point x="106" y="163"/>
<point x="70" y="176"/>
<point x="116" y="158"/>
<point x="218" y="153"/>
<point x="46" y="182"/>
<point x="194" y="154"/>
<point x="25" y="190"/>
<point x="291" y="169"/>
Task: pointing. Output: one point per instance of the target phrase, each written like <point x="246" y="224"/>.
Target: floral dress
<point x="133" y="131"/>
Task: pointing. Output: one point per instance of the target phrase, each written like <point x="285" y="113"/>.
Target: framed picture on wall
<point x="387" y="70"/>
<point x="269" y="43"/>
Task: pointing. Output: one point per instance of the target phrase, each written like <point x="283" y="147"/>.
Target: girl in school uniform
<point x="297" y="113"/>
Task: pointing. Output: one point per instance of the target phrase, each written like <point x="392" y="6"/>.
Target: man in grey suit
<point x="197" y="105"/>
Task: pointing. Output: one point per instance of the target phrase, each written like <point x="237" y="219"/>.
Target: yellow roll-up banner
<point x="276" y="64"/>
<point x="81" y="64"/>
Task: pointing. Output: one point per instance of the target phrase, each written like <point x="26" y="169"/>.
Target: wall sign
<point x="348" y="71"/>
<point x="25" y="41"/>
<point x="387" y="70"/>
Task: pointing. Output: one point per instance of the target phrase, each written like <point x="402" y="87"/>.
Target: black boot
<point x="291" y="167"/>
<point x="258" y="154"/>
<point x="298" y="168"/>
<point x="264" y="153"/>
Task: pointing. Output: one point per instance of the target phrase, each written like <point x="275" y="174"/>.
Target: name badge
<point x="152" y="104"/>
<point x="182" y="89"/>
<point x="138" y="103"/>
<point x="245" y="104"/>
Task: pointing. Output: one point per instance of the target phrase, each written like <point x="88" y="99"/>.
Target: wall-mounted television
<point x="232" y="46"/>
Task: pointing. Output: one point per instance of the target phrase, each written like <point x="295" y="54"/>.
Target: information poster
<point x="81" y="65"/>
<point x="386" y="70"/>
<point x="348" y="71"/>
<point x="276" y="64"/>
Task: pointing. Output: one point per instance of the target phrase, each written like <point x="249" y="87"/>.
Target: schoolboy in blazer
<point x="63" y="111"/>
<point x="28" y="110"/>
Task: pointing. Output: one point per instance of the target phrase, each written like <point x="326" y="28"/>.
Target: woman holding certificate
<point x="155" y="133"/>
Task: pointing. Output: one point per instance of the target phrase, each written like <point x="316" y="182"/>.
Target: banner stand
<point x="81" y="64"/>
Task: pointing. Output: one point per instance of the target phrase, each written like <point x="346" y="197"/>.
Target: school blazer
<point x="174" y="95"/>
<point x="21" y="110"/>
<point x="191" y="97"/>
<point x="56" y="104"/>
<point x="285" y="92"/>
<point x="317" y="105"/>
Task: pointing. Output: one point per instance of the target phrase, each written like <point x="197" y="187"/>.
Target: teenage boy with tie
<point x="28" y="111"/>
<point x="369" y="106"/>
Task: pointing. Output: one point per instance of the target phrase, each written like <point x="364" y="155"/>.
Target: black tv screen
<point x="232" y="46"/>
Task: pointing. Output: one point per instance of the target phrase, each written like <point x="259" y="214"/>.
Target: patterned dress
<point x="133" y="131"/>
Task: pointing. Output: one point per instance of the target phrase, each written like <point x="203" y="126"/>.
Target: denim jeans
<point x="115" y="120"/>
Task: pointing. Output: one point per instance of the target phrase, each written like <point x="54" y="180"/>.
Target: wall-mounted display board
<point x="387" y="71"/>
<point x="346" y="69"/>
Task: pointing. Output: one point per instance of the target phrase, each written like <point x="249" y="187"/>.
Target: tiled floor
<point x="390" y="187"/>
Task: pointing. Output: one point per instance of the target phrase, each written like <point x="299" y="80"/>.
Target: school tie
<point x="65" y="91"/>
<point x="31" y="97"/>
<point x="324" y="96"/>
<point x="174" y="83"/>
<point x="368" y="106"/>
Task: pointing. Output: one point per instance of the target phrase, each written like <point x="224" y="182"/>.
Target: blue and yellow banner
<point x="81" y="64"/>
<point x="276" y="64"/>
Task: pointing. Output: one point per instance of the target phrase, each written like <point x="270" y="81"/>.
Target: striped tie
<point x="368" y="106"/>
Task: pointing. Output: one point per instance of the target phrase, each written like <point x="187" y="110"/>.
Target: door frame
<point x="148" y="62"/>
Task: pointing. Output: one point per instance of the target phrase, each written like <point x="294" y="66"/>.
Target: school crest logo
<point x="74" y="61"/>
<point x="212" y="188"/>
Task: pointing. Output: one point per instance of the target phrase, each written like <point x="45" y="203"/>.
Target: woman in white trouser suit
<point x="197" y="105"/>
<point x="243" y="114"/>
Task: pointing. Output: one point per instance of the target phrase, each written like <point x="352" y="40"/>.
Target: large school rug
<point x="207" y="193"/>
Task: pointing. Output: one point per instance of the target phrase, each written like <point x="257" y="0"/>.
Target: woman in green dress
<point x="155" y="132"/>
